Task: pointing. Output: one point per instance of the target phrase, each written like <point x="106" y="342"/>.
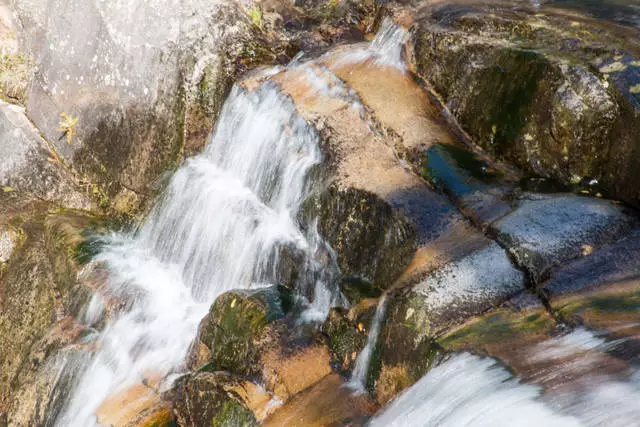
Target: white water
<point x="219" y="226"/>
<point x="470" y="391"/>
<point x="597" y="397"/>
<point x="358" y="379"/>
<point x="384" y="50"/>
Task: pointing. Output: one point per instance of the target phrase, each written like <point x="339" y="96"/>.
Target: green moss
<point x="604" y="304"/>
<point x="236" y="323"/>
<point x="495" y="328"/>
<point x="232" y="414"/>
<point x="255" y="14"/>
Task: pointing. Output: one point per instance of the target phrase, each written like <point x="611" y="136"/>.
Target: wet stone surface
<point x="549" y="230"/>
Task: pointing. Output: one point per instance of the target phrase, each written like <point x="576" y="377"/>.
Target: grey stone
<point x="550" y="230"/>
<point x="28" y="166"/>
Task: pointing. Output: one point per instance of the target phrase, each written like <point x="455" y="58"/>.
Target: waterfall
<point x="470" y="391"/>
<point x="219" y="226"/>
<point x="358" y="379"/>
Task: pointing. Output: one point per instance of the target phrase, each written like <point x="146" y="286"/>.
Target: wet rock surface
<point x="550" y="230"/>
<point x="521" y="58"/>
<point x="39" y="289"/>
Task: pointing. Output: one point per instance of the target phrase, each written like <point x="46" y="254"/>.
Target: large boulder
<point x="548" y="90"/>
<point x="135" y="95"/>
<point x="234" y="329"/>
<point x="245" y="335"/>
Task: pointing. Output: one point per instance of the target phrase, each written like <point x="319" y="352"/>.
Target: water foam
<point x="469" y="390"/>
<point x="219" y="226"/>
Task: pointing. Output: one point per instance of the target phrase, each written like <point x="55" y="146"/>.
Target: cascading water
<point x="358" y="379"/>
<point x="468" y="390"/>
<point x="219" y="227"/>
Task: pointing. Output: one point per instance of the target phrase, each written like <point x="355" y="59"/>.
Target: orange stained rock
<point x="398" y="102"/>
<point x="326" y="403"/>
<point x="288" y="372"/>
<point x="129" y="406"/>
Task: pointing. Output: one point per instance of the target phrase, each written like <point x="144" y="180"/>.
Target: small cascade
<point x="384" y="50"/>
<point x="358" y="379"/>
<point x="220" y="225"/>
<point x="469" y="390"/>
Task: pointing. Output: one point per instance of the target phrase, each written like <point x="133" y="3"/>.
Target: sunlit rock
<point x="602" y="291"/>
<point x="540" y="89"/>
<point x="30" y="166"/>
<point x="139" y="93"/>
<point x="549" y="230"/>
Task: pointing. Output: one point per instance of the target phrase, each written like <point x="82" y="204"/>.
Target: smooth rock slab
<point x="602" y="290"/>
<point x="548" y="231"/>
<point x="444" y="298"/>
<point x="467" y="287"/>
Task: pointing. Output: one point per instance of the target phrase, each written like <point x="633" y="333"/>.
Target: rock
<point x="548" y="230"/>
<point x="242" y="335"/>
<point x="601" y="290"/>
<point x="234" y="328"/>
<point x="347" y="338"/>
<point x="371" y="241"/>
<point x="523" y="85"/>
<point x="30" y="166"/>
<point x="135" y="94"/>
<point x="328" y="402"/>
<point x="38" y="286"/>
<point x="463" y="288"/>
<point x="44" y="388"/>
<point x="137" y="405"/>
<point x="16" y="68"/>
<point x="287" y="369"/>
<point x="478" y="188"/>
<point x="9" y="239"/>
<point x="507" y="332"/>
<point x="444" y="298"/>
<point x="376" y="210"/>
<point x="211" y="399"/>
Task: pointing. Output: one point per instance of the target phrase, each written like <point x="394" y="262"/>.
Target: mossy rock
<point x="405" y="351"/>
<point x="211" y="399"/>
<point x="235" y="325"/>
<point x="538" y="91"/>
<point x="346" y="339"/>
<point x="39" y="285"/>
<point x="373" y="243"/>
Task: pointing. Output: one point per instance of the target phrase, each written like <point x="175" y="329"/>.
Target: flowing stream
<point x="220" y="225"/>
<point x="468" y="390"/>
